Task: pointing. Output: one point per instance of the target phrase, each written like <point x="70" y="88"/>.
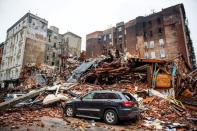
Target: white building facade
<point x="25" y="43"/>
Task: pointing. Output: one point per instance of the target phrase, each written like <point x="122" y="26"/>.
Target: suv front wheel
<point x="69" y="111"/>
<point x="110" y="117"/>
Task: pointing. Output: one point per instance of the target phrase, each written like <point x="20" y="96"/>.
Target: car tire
<point x="69" y="111"/>
<point x="135" y="119"/>
<point x="110" y="117"/>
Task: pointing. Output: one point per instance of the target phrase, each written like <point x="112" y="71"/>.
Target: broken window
<point x="162" y="53"/>
<point x="151" y="44"/>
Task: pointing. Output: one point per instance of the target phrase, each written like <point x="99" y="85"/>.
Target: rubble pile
<point x="34" y="76"/>
<point x="116" y="71"/>
<point x="28" y="115"/>
<point x="164" y="90"/>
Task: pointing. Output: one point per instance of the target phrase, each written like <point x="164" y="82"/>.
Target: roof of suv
<point x="106" y="91"/>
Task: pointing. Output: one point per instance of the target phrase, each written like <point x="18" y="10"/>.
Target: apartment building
<point x="24" y="44"/>
<point x="161" y="35"/>
<point x="73" y="44"/>
<point x="1" y="52"/>
<point x="54" y="46"/>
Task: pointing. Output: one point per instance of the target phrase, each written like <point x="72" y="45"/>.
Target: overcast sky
<point x="85" y="16"/>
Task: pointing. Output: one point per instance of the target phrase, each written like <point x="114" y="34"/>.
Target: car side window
<point x="88" y="96"/>
<point x="105" y="96"/>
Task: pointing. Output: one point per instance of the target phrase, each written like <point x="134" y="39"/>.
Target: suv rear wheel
<point x="110" y="117"/>
<point x="69" y="111"/>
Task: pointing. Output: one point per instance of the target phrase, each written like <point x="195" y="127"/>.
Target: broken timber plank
<point x="7" y="104"/>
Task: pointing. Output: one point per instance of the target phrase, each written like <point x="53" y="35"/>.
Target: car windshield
<point x="88" y="96"/>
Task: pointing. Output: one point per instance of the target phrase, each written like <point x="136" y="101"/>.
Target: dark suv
<point x="103" y="104"/>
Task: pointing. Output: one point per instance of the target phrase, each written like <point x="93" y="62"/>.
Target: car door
<point x="100" y="102"/>
<point x="83" y="106"/>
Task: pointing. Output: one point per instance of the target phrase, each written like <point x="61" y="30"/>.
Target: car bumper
<point x="128" y="113"/>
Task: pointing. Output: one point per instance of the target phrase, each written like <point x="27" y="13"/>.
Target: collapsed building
<point x="161" y="35"/>
<point x="29" y="41"/>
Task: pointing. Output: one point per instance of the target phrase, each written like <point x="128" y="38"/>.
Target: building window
<point x="54" y="45"/>
<point x="151" y="34"/>
<point x="30" y="19"/>
<point x="144" y="24"/>
<point x="153" y="55"/>
<point x="119" y="29"/>
<point x="159" y="21"/>
<point x="49" y="38"/>
<point x="150" y="23"/>
<point x="120" y="37"/>
<point x="161" y="43"/>
<point x="110" y="36"/>
<point x="145" y="44"/>
<point x="104" y="38"/>
<point x="146" y="55"/>
<point x="160" y="30"/>
<point x="173" y="27"/>
<point x="162" y="53"/>
<point x="47" y="57"/>
<point x="52" y="63"/>
<point x="151" y="44"/>
<point x="53" y="54"/>
<point x="145" y="35"/>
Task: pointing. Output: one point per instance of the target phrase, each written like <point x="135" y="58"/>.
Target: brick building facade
<point x="161" y="35"/>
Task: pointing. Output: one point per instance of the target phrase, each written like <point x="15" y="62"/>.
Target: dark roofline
<point x="71" y="34"/>
<point x="151" y="15"/>
<point x="21" y="19"/>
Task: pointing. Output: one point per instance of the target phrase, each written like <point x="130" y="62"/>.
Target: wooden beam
<point x="8" y="104"/>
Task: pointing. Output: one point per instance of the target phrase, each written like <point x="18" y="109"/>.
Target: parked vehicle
<point x="111" y="106"/>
